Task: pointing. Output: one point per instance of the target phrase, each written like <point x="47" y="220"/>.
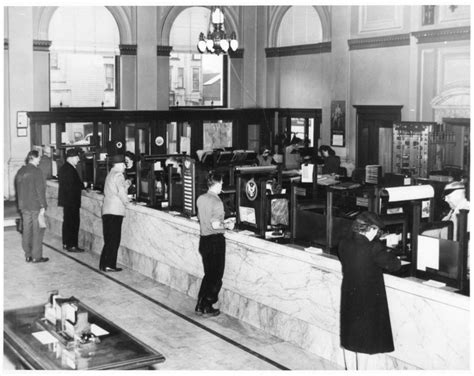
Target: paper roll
<point x="412" y="192"/>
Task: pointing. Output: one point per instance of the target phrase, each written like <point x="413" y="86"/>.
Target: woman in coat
<point x="365" y="322"/>
<point x="113" y="211"/>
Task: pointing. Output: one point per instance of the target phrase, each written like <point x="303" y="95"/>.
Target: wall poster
<point x="338" y="123"/>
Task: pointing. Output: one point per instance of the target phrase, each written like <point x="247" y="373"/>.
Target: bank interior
<point x="386" y="87"/>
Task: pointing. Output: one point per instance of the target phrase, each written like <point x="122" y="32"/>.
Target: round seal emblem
<point x="251" y="190"/>
<point x="118" y="145"/>
<point x="159" y="141"/>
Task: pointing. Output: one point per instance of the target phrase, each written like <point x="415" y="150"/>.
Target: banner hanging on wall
<point x="338" y="123"/>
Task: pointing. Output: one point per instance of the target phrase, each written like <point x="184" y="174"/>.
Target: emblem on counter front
<point x="251" y="190"/>
<point x="118" y="144"/>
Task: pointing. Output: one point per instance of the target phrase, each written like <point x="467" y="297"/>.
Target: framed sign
<point x="21" y="119"/>
<point x="22" y="132"/>
<point x="338" y="123"/>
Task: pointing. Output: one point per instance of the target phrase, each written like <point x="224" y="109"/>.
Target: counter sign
<point x="251" y="190"/>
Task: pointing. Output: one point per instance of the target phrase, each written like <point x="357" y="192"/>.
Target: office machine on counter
<point x="167" y="180"/>
<point x="262" y="203"/>
<point x="438" y="259"/>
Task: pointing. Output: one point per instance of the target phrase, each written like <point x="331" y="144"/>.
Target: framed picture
<point x="22" y="132"/>
<point x="338" y="123"/>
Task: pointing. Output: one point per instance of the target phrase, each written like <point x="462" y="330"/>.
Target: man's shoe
<point x="109" y="269"/>
<point x="28" y="259"/>
<point x="74" y="249"/>
<point x="210" y="311"/>
<point x="41" y="259"/>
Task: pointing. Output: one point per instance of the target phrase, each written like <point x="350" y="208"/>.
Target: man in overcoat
<point x="69" y="197"/>
<point x="364" y="318"/>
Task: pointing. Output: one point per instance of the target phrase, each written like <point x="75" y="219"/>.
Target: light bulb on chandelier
<point x="216" y="40"/>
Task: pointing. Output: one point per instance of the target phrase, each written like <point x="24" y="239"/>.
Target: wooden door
<point x="374" y="135"/>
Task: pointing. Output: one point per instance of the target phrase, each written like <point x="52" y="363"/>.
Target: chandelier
<point x="216" y="41"/>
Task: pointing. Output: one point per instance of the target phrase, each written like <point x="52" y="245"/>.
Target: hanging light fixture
<point x="216" y="41"/>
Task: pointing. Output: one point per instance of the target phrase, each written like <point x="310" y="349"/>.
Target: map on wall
<point x="217" y="135"/>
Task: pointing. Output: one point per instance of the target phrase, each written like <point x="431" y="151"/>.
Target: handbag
<point x="19" y="225"/>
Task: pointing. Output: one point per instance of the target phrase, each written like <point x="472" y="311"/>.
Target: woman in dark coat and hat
<point x="365" y="322"/>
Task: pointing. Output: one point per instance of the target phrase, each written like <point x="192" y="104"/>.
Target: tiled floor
<point x="157" y="315"/>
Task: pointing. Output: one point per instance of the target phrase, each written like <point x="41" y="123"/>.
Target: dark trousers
<point x="71" y="222"/>
<point x="212" y="250"/>
<point x="32" y="235"/>
<point x="112" y="228"/>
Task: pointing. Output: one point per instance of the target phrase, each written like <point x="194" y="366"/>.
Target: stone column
<point x="18" y="90"/>
<point x="147" y="70"/>
<point x="163" y="72"/>
<point x="41" y="93"/>
<point x="128" y="77"/>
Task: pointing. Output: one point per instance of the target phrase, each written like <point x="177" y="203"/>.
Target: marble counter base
<point x="283" y="290"/>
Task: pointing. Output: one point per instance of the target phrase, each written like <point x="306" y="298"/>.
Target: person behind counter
<point x="130" y="172"/>
<point x="364" y="317"/>
<point x="265" y="158"/>
<point x="210" y="211"/>
<point x="113" y="211"/>
<point x="455" y="196"/>
<point x="331" y="161"/>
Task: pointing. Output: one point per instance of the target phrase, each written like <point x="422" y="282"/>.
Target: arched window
<point x="195" y="79"/>
<point x="300" y="25"/>
<point x="83" y="53"/>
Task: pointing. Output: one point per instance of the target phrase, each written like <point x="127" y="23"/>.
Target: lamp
<point x="216" y="41"/>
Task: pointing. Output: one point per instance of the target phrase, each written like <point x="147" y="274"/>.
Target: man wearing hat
<point x="69" y="197"/>
<point x="113" y="211"/>
<point x="455" y="196"/>
<point x="365" y="327"/>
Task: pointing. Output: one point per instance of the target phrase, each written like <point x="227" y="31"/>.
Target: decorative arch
<point x="42" y="18"/>
<point x="277" y="15"/>
<point x="452" y="103"/>
<point x="230" y="24"/>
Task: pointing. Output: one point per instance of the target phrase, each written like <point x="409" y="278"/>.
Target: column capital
<point x="163" y="50"/>
<point x="128" y="49"/>
<point x="41" y="45"/>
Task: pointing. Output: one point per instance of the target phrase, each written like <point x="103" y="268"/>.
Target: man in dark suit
<point x="69" y="197"/>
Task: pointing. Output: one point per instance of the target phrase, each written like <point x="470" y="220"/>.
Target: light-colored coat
<point x="115" y="194"/>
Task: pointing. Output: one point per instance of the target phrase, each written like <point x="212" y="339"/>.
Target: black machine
<point x="171" y="186"/>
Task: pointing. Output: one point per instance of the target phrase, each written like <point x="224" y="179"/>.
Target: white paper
<point x="307" y="173"/>
<point x="247" y="214"/>
<point x="412" y="192"/>
<point x="98" y="331"/>
<point x="432" y="283"/>
<point x="45" y="337"/>
<point x="428" y="253"/>
<point x="316" y="251"/>
<point x="337" y="140"/>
